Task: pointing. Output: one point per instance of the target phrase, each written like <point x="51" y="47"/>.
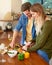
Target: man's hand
<point x="24" y="48"/>
<point x="28" y="44"/>
<point x="12" y="45"/>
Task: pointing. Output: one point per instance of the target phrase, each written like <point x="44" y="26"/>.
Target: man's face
<point x="28" y="14"/>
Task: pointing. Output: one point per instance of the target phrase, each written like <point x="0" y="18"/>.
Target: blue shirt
<point x="22" y="24"/>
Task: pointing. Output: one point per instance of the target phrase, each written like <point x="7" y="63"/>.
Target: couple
<point x="43" y="33"/>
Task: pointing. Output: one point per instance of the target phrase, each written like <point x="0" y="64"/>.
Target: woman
<point x="43" y="45"/>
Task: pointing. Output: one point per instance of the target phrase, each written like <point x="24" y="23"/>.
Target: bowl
<point x="12" y="53"/>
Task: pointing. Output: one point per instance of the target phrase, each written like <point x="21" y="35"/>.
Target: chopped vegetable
<point x="11" y="52"/>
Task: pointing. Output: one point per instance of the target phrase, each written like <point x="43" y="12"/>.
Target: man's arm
<point x="16" y="32"/>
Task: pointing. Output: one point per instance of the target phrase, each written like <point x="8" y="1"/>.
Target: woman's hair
<point x="39" y="9"/>
<point x="25" y="6"/>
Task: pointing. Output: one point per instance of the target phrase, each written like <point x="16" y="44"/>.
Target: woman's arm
<point x="42" y="38"/>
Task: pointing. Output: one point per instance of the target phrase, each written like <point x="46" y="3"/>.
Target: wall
<point x="31" y="1"/>
<point x="8" y="6"/>
<point x="16" y="6"/>
<point x="5" y="6"/>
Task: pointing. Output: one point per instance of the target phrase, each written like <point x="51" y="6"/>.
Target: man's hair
<point x="25" y="6"/>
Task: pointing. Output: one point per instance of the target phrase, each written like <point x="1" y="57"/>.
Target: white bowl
<point x="12" y="53"/>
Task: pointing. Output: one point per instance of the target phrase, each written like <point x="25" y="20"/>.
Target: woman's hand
<point x="30" y="44"/>
<point x="26" y="46"/>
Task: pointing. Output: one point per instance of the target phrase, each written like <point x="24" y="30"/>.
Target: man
<point x="24" y="25"/>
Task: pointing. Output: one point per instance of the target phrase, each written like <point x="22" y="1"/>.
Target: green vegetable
<point x="20" y="56"/>
<point x="10" y="52"/>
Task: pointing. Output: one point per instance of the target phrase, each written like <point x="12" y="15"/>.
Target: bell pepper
<point x="26" y="54"/>
<point x="20" y="56"/>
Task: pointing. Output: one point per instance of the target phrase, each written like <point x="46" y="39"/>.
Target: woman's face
<point x="34" y="14"/>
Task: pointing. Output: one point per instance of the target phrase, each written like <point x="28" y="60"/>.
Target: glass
<point x="9" y="37"/>
<point x="2" y="53"/>
<point x="2" y="60"/>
